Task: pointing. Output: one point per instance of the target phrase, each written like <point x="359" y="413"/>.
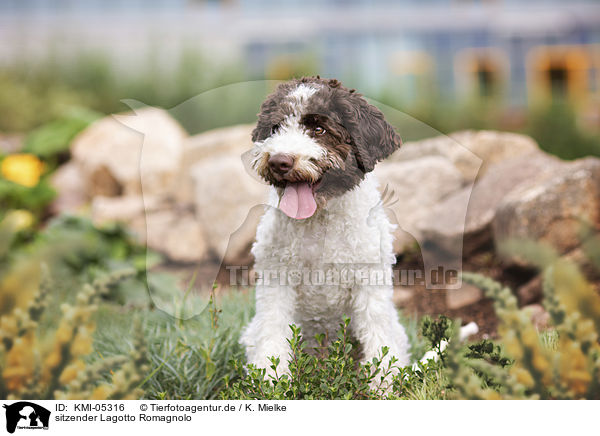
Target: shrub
<point x="566" y="366"/>
<point x="331" y="372"/>
<point x="40" y="363"/>
<point x="51" y="140"/>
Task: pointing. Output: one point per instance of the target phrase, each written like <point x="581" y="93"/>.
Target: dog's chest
<point x="319" y="256"/>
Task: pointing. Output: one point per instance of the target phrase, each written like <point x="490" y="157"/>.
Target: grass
<point x="191" y="359"/>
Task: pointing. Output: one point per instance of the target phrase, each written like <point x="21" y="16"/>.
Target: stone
<point x="177" y="234"/>
<point x="124" y="209"/>
<point x="554" y="209"/>
<point x="116" y="152"/>
<point x="71" y="196"/>
<point x="464" y="296"/>
<point x="227" y="141"/>
<point x="472" y="152"/>
<point x="412" y="189"/>
<point x="166" y="227"/>
<point x="227" y="201"/>
<point x="465" y="217"/>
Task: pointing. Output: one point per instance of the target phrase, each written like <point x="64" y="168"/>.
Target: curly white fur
<point x="350" y="234"/>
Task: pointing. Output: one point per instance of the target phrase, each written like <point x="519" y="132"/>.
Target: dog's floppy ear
<point x="372" y="136"/>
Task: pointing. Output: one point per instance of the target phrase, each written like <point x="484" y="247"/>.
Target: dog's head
<point x="315" y="140"/>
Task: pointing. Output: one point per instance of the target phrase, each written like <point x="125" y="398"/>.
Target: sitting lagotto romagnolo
<point x="323" y="247"/>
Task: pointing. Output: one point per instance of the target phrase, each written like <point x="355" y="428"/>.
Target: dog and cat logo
<point x="26" y="415"/>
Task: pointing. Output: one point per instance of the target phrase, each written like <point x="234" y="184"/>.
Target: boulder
<point x="163" y="226"/>
<point x="465" y="217"/>
<point x="175" y="233"/>
<point x="554" y="209"/>
<point x="472" y="152"/>
<point x="227" y="201"/>
<point x="413" y="188"/>
<point x="71" y="196"/>
<point x="116" y="152"/>
<point x="229" y="141"/>
<point x="126" y="209"/>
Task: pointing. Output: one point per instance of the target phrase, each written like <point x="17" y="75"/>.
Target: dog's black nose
<point x="281" y="163"/>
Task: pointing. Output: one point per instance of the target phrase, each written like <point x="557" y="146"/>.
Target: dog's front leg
<point x="267" y="334"/>
<point x="375" y="324"/>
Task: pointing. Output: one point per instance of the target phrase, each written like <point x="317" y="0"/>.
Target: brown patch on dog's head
<point x="345" y="134"/>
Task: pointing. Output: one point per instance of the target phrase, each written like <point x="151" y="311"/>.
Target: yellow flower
<point x="19" y="363"/>
<point x="64" y="333"/>
<point x="71" y="371"/>
<point x="53" y="359"/>
<point x="522" y="376"/>
<point x="101" y="392"/>
<point x="82" y="344"/>
<point x="539" y="360"/>
<point x="24" y="169"/>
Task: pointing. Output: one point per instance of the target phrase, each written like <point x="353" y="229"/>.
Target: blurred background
<point x="522" y="66"/>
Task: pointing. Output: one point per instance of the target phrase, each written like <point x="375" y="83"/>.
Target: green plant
<point x="561" y="366"/>
<point x="33" y="199"/>
<point x="555" y="128"/>
<point x="487" y="351"/>
<point x="51" y="140"/>
<point x="46" y="363"/>
<point x="437" y="332"/>
<point x="332" y="372"/>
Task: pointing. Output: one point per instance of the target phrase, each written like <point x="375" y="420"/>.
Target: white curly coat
<point x="351" y="232"/>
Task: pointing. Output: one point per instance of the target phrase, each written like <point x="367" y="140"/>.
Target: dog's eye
<point x="275" y="129"/>
<point x="319" y="130"/>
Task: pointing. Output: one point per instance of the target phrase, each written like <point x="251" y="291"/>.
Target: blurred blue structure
<point x="513" y="51"/>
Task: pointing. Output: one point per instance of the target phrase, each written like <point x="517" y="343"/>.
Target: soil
<point x="433" y="302"/>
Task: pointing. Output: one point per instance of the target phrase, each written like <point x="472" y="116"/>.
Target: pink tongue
<point x="298" y="201"/>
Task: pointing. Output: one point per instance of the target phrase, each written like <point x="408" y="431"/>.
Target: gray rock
<point x="228" y="141"/>
<point x="225" y="203"/>
<point x="465" y="217"/>
<point x="175" y="233"/>
<point x="472" y="152"/>
<point x="11" y="143"/>
<point x="126" y="209"/>
<point x="552" y="210"/>
<point x="71" y="195"/>
<point x="116" y="152"/>
<point x="163" y="226"/>
<point x="402" y="295"/>
<point x="413" y="188"/>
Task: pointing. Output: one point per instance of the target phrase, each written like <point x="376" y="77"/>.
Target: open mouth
<point x="298" y="199"/>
